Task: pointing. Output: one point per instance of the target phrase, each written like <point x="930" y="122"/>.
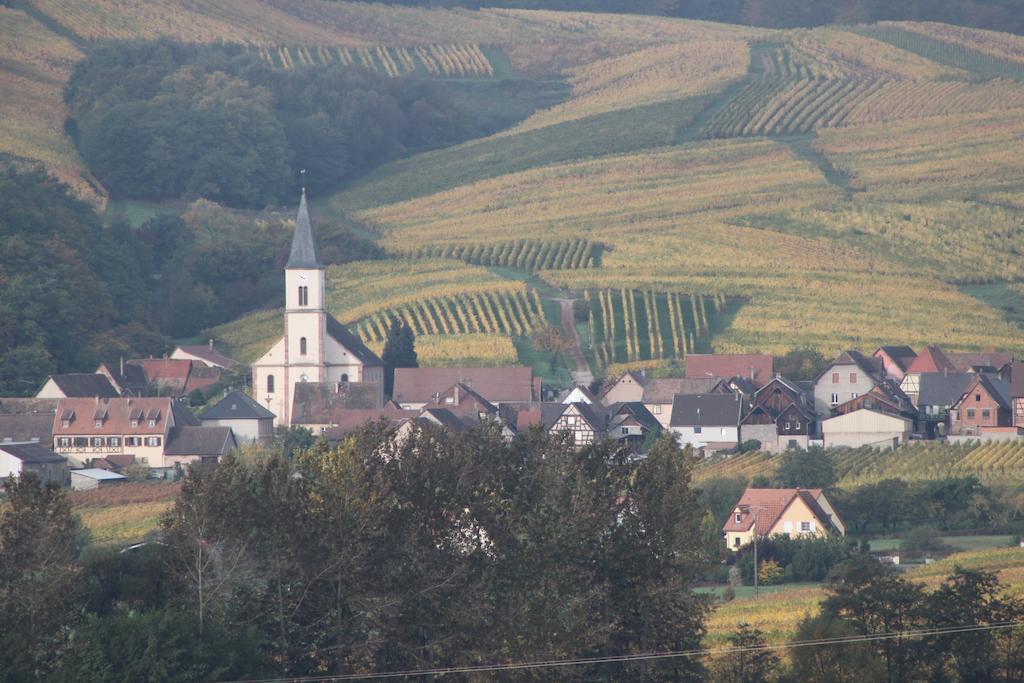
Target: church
<point x="315" y="347"/>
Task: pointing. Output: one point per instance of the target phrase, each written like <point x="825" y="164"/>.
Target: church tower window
<point x="302" y="346"/>
<point x="270" y="384"/>
<point x="303" y="295"/>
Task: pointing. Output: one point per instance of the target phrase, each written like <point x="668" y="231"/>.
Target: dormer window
<point x="135" y="424"/>
<point x="98" y="423"/>
<point x="739" y="517"/>
<point x="152" y="423"/>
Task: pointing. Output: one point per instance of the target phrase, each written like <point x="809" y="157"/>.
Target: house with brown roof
<point x="585" y="423"/>
<point x="885" y="397"/>
<point x="416" y="387"/>
<point x="176" y="377"/>
<point x="757" y="367"/>
<point x="937" y="392"/>
<point x="780" y="416"/>
<point x="627" y="387"/>
<point x="787" y="512"/>
<point x="129" y="380"/>
<point x="848" y="376"/>
<point x="895" y="360"/>
<point x="990" y="362"/>
<point x="158" y="432"/>
<point x="204" y="353"/>
<point x="985" y="407"/>
<point x="319" y="406"/>
<point x="77" y="385"/>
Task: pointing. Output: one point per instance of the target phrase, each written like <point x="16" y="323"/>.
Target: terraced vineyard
<point x="529" y="255"/>
<point x="992" y="463"/>
<point x="629" y="325"/>
<point x="511" y="314"/>
<point x="433" y="60"/>
<point x="460" y="313"/>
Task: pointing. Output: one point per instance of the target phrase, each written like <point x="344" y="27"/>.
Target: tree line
<point x="160" y="120"/>
<point x="385" y="553"/>
<point x="75" y="291"/>
<point x="997" y="15"/>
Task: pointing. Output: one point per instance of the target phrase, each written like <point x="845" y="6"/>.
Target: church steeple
<point x="303" y="254"/>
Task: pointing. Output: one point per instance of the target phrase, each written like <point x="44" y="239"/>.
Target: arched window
<point x="344" y="378"/>
<point x="303" y="296"/>
<point x="270" y="384"/>
<point x="302" y="346"/>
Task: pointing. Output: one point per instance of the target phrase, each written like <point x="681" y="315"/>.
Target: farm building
<point x="866" y="427"/>
<point x="87" y="479"/>
<point x="18" y="458"/>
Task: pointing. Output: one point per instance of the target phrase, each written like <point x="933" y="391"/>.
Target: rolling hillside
<point x="829" y="187"/>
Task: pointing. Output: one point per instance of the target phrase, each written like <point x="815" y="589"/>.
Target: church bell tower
<point x="304" y="311"/>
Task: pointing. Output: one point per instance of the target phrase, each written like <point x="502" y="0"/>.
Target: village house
<point x="318" y="406"/>
<point x="884" y="397"/>
<point x="657" y="394"/>
<point x="127" y="379"/>
<point x="18" y="458"/>
<point x="1017" y="393"/>
<point x="707" y="421"/>
<point x="249" y="421"/>
<point x="984" y="409"/>
<point x="204" y="353"/>
<point x="937" y="392"/>
<point x="866" y="427"/>
<point x="930" y="360"/>
<point x="175" y="377"/>
<point x="27" y="419"/>
<point x="895" y="360"/>
<point x="756" y="367"/>
<point x="584" y="422"/>
<point x="414" y="388"/>
<point x="315" y="347"/>
<point x="77" y="385"/>
<point x="788" y="512"/>
<point x="159" y="432"/>
<point x="780" y="416"/>
<point x="847" y="377"/>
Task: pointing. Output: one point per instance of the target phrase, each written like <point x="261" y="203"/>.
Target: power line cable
<point x="613" y="659"/>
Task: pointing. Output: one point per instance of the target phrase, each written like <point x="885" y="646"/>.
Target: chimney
<point x="945" y="371"/>
<point x="751" y="373"/>
<point x="456" y="394"/>
<point x="211" y="345"/>
<point x="122" y="366"/>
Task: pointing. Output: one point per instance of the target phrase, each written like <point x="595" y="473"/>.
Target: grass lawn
<point x="955" y="542"/>
<point x="744" y="592"/>
<point x="540" y="361"/>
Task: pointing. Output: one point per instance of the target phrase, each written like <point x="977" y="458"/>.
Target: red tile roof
<point x="756" y="366"/>
<point x="207" y="353"/>
<point x="117" y="418"/>
<point x="769" y="504"/>
<point x="514" y="384"/>
<point x="931" y="359"/>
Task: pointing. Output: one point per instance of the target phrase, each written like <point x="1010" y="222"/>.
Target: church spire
<point x="303" y="253"/>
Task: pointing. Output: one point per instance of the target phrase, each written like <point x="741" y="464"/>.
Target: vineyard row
<point x="529" y="255"/>
<point x="629" y="325"/>
<point x="433" y="60"/>
<point x="506" y="313"/>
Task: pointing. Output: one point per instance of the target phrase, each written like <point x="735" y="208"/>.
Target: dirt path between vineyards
<point x="582" y="374"/>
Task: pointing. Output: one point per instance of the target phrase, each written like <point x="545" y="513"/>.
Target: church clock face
<point x="302" y="277"/>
